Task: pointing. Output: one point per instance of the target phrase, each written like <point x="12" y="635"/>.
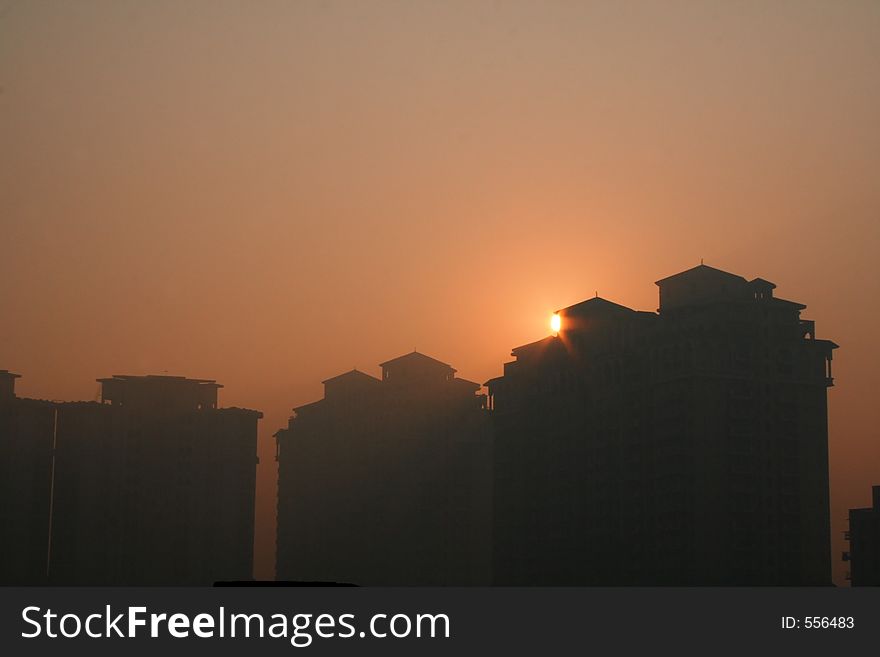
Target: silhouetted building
<point x="154" y="485"/>
<point x="387" y="481"/>
<point x="864" y="543"/>
<point x="7" y="385"/>
<point x="687" y="446"/>
<point x="26" y="434"/>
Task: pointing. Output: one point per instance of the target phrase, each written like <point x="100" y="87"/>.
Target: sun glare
<point x="555" y="323"/>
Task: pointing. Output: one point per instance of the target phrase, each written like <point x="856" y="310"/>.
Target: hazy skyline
<point x="268" y="194"/>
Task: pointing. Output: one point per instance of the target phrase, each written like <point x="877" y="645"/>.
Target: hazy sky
<point x="269" y="193"/>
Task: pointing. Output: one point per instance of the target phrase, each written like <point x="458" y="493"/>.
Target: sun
<point x="555" y="322"/>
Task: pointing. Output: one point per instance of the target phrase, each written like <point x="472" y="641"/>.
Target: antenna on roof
<point x="597" y="294"/>
<point x="701" y="261"/>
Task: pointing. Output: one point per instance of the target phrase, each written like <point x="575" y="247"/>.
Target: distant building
<point x="7" y="385"/>
<point x="387" y="481"/>
<point x="687" y="446"/>
<point x="864" y="543"/>
<point x="27" y="429"/>
<point x="154" y="485"/>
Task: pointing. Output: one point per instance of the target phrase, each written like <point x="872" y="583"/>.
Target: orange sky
<point x="271" y="193"/>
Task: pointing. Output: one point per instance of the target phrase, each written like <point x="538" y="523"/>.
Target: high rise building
<point x="864" y="543"/>
<point x="153" y="485"/>
<point x="387" y="481"/>
<point x="683" y="446"/>
<point x="27" y="429"/>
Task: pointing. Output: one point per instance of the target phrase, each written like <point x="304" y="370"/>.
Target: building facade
<point x="153" y="485"/>
<point x="864" y="543"/>
<point x="387" y="481"/>
<point x="687" y="446"/>
<point x="27" y="431"/>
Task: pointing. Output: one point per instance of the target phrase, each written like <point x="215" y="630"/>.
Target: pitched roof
<point x="541" y="344"/>
<point x="762" y="282"/>
<point x="464" y="383"/>
<point x="314" y="404"/>
<point x="785" y="302"/>
<point x="702" y="271"/>
<point x="354" y="374"/>
<point x="416" y="357"/>
<point x="593" y="306"/>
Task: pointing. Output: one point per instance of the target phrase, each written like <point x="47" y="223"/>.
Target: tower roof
<point x="596" y="305"/>
<point x="352" y="375"/>
<point x="414" y="358"/>
<point x="702" y="271"/>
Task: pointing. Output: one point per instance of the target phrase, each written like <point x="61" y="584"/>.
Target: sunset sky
<point x="271" y="193"/>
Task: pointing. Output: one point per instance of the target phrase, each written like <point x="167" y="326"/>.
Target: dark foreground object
<point x="282" y="584"/>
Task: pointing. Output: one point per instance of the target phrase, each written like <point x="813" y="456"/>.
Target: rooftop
<point x="157" y="378"/>
<point x="593" y="306"/>
<point x="353" y="374"/>
<point x="703" y="271"/>
<point x="416" y="358"/>
<point x="465" y="383"/>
